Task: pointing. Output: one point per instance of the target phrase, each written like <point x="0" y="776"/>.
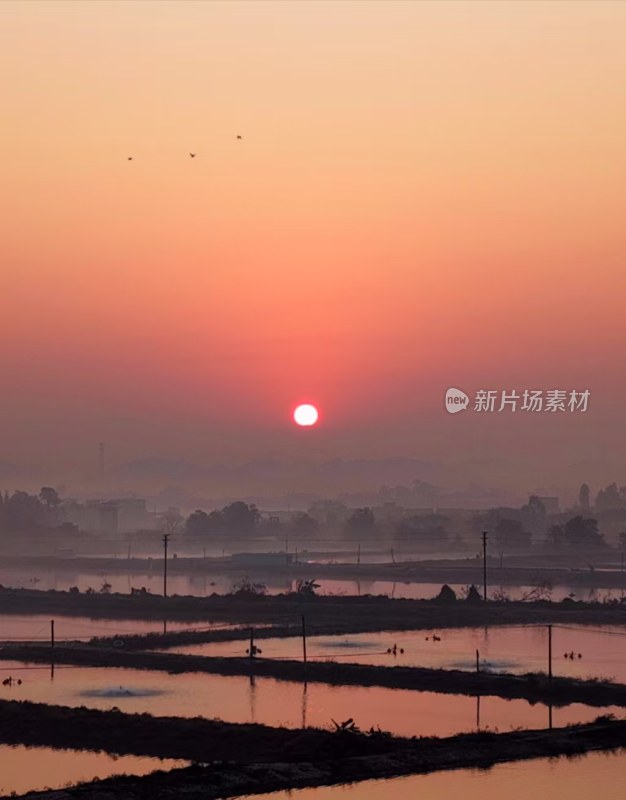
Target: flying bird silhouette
<point x="130" y="158"/>
<point x="192" y="155"/>
<point x="239" y="136"/>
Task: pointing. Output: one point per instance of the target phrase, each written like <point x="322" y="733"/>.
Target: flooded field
<point x="202" y="585"/>
<point x="36" y="627"/>
<point x="514" y="649"/>
<point x="595" y="775"/>
<point x="280" y="703"/>
<point x="27" y="769"/>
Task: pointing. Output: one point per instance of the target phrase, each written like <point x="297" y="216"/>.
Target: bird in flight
<point x="130" y="158"/>
<point x="192" y="155"/>
<point x="239" y="136"/>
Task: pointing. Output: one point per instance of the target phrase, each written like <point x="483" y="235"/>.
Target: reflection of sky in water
<point x="288" y="703"/>
<point x="593" y="775"/>
<point x="512" y="648"/>
<point x="203" y="585"/>
<point x="121" y="691"/>
<point x="26" y="769"/>
<point x="347" y="644"/>
<point x="36" y="627"/>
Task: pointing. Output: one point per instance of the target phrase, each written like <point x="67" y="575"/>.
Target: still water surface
<point x="220" y="583"/>
<point x="26" y="769"/>
<point x="601" y="775"/>
<point x="514" y="649"/>
<point x="290" y="704"/>
<point x="36" y="627"/>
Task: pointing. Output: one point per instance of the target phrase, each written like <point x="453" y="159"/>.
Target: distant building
<point x="110" y="517"/>
<point x="132" y="515"/>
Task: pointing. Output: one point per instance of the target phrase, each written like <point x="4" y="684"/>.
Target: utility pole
<point x="485" y="566"/>
<point x="550" y="652"/>
<point x="166" y="539"/>
<point x="51" y="649"/>
<point x="304" y="645"/>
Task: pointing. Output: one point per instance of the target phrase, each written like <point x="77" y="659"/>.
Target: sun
<point x="305" y="415"/>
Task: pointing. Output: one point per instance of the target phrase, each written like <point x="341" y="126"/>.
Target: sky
<point x="425" y="195"/>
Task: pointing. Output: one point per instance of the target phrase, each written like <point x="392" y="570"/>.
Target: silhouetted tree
<point x="247" y="588"/>
<point x="196" y="523"/>
<point x="473" y="595"/>
<point x="510" y="535"/>
<point x="240" y="518"/>
<point x="583" y="498"/>
<point x="202" y="524"/>
<point x="171" y="521"/>
<point x="272" y="526"/>
<point x="556" y="536"/>
<point x="49" y="497"/>
<point x="583" y="532"/>
<point x="306" y="587"/>
<point x="361" y="522"/>
<point x="446" y="596"/>
<point x="22" y="511"/>
<point x="303" y="525"/>
<point x="610" y="498"/>
<point x="426" y="529"/>
<point x="329" y="513"/>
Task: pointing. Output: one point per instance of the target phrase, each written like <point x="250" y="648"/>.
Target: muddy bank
<point x="325" y="615"/>
<point x="396" y="757"/>
<point x="535" y="688"/>
<point x="194" y="739"/>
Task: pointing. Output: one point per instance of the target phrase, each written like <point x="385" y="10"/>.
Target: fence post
<point x="550" y="652"/>
<point x="304" y="645"/>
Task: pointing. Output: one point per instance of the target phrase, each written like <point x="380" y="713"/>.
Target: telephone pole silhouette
<point x="485" y="566"/>
<point x="166" y="539"/>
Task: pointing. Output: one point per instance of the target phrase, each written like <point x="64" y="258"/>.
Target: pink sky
<point x="426" y="194"/>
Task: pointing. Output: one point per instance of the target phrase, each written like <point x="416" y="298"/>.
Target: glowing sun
<point x="305" y="415"/>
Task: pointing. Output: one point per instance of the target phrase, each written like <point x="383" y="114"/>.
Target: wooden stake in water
<point x="52" y="634"/>
<point x="550" y="652"/>
<point x="477" y="662"/>
<point x="303" y="643"/>
<point x="251" y="645"/>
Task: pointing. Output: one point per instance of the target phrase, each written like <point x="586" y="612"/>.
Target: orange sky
<point x="426" y="194"/>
